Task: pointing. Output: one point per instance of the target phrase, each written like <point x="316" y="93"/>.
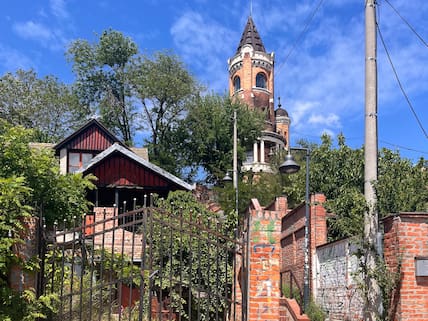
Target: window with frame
<point x="77" y="160"/>
<point x="261" y="80"/>
<point x="237" y="83"/>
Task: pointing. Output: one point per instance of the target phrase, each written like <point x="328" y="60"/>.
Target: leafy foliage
<point x="262" y="186"/>
<point x="339" y="174"/>
<point x="199" y="260"/>
<point x="315" y="312"/>
<point x="91" y="295"/>
<point x="13" y="214"/>
<point x="165" y="89"/>
<point x="59" y="196"/>
<point x="103" y="83"/>
<point x="43" y="104"/>
<point x="209" y="125"/>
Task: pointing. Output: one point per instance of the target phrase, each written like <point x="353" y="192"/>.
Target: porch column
<point x="262" y="151"/>
<point x="255" y="153"/>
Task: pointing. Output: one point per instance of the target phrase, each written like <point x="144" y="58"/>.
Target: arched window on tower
<point x="261" y="80"/>
<point x="237" y="83"/>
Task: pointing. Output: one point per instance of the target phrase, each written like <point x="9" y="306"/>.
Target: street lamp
<point x="227" y="177"/>
<point x="289" y="166"/>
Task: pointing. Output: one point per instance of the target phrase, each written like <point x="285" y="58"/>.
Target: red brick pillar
<point x="405" y="240"/>
<point x="317" y="234"/>
<point x="264" y="259"/>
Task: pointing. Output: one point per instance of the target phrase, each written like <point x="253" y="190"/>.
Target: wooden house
<point x="123" y="174"/>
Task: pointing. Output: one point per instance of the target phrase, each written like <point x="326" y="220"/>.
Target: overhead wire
<point x="403" y="147"/>
<point x="300" y="36"/>
<point x="409" y="103"/>
<point x="408" y="24"/>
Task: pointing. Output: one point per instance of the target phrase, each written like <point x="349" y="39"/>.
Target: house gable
<point x="79" y="148"/>
<point x="93" y="136"/>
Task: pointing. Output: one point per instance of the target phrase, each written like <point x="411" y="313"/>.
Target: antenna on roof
<point x="251" y="8"/>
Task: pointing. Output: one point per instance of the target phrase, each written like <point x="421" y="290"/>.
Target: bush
<point x="315" y="312"/>
<point x="292" y="294"/>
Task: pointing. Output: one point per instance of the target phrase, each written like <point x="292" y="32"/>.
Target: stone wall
<point x="335" y="287"/>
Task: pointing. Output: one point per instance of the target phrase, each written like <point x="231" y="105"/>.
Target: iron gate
<point x="142" y="265"/>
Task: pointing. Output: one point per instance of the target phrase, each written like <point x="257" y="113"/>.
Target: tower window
<point x="261" y="80"/>
<point x="237" y="83"/>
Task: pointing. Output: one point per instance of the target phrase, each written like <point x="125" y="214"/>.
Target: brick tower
<point x="251" y="79"/>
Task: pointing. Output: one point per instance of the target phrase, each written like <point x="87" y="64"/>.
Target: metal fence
<point x="145" y="264"/>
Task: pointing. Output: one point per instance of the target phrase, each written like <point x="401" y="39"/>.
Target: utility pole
<point x="373" y="302"/>
<point x="235" y="159"/>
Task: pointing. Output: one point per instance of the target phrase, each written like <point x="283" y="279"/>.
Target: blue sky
<point x="320" y="80"/>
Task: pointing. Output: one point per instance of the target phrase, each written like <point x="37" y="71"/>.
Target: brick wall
<point x="263" y="226"/>
<point x="406" y="238"/>
<point x="18" y="279"/>
<point x="264" y="262"/>
<point x="293" y="240"/>
<point x="108" y="234"/>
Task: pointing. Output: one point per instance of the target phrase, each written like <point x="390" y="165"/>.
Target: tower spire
<point x="251" y="36"/>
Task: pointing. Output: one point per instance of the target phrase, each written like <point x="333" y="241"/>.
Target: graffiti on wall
<point x="336" y="287"/>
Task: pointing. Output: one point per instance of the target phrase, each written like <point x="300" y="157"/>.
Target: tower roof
<point x="280" y="112"/>
<point x="251" y="36"/>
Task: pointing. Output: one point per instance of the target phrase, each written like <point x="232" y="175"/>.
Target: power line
<point x="360" y="139"/>
<point x="408" y="24"/>
<point x="403" y="147"/>
<point x="400" y="84"/>
<point x="300" y="37"/>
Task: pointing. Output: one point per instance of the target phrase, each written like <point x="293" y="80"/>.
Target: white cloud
<point x="330" y="120"/>
<point x="11" y="59"/>
<point x="51" y="38"/>
<point x="205" y="45"/>
<point x="58" y="9"/>
<point x="33" y="30"/>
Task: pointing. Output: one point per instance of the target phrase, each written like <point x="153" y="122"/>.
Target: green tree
<point x="30" y="182"/>
<point x="43" y="104"/>
<point x="402" y="185"/>
<point x="103" y="83"/>
<point x="209" y="125"/>
<point x="58" y="196"/>
<point x="339" y="174"/>
<point x="165" y="89"/>
<point x="262" y="186"/>
<point x="14" y="211"/>
<point x="199" y="260"/>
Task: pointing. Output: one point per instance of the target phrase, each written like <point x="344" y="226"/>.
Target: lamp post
<point x="289" y="166"/>
<point x="227" y="177"/>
